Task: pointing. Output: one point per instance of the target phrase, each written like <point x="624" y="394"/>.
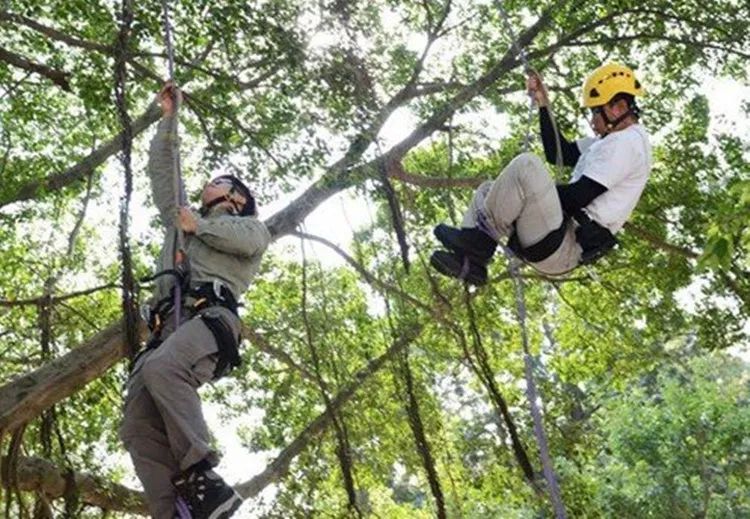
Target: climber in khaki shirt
<point x="163" y="426"/>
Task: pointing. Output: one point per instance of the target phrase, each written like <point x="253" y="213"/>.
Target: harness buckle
<point x="217" y="286"/>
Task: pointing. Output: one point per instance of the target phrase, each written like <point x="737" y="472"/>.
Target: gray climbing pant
<point x="163" y="427"/>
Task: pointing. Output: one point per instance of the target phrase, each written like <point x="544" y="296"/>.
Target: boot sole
<point x="227" y="508"/>
<point x="447" y="237"/>
<point x="452" y="268"/>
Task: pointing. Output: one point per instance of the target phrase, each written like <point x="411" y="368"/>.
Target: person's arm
<point x="569" y="150"/>
<point x="238" y="235"/>
<point x="160" y="166"/>
<point x="579" y="194"/>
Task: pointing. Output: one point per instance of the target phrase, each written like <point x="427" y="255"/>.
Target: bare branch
<point x="260" y="342"/>
<point x="53" y="34"/>
<point x="435" y="87"/>
<point x="279" y="467"/>
<point x="399" y="173"/>
<point x="375" y="282"/>
<point x="656" y="37"/>
<point x="58" y="77"/>
<point x="660" y="243"/>
<point x="46" y="298"/>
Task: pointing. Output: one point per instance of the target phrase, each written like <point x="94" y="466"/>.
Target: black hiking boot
<point x="470" y="241"/>
<point x="459" y="266"/>
<point x="206" y="495"/>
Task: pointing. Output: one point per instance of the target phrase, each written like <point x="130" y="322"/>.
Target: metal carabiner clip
<point x="217" y="286"/>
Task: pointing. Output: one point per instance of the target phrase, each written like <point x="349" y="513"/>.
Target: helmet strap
<point x="612" y="123"/>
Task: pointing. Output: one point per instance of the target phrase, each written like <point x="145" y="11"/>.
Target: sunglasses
<point x="221" y="182"/>
<point x="596" y="111"/>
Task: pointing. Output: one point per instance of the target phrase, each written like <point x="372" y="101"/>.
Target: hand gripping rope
<point x="179" y="259"/>
<point x="513" y="267"/>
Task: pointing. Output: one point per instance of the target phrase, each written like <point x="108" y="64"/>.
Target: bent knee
<point x="531" y="172"/>
<point x="529" y="163"/>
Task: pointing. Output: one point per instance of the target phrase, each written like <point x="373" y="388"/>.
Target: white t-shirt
<point x="621" y="162"/>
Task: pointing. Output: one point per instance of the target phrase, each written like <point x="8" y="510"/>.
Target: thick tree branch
<point x="399" y="173"/>
<point x="85" y="167"/>
<point x="28" y="395"/>
<point x="346" y="172"/>
<point x="58" y="77"/>
<point x="508" y="62"/>
<point x="39" y="475"/>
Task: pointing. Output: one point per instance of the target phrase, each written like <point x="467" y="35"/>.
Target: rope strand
<point x="179" y="243"/>
<point x="513" y="267"/>
<point x="129" y="304"/>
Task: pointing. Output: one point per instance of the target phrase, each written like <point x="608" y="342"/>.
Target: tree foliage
<point x="366" y="372"/>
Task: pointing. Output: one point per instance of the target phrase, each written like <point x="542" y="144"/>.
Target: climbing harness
<point x="513" y="267"/>
<point x="197" y="300"/>
<point x="595" y="240"/>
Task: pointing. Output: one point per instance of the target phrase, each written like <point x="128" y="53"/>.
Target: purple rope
<point x="181" y="507"/>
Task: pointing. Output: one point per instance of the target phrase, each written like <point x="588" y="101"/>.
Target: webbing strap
<point x="181" y="507"/>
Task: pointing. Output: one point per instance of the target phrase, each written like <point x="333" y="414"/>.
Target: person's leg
<point x="172" y="375"/>
<point x="143" y="433"/>
<point x="525" y="195"/>
<point x="476" y="206"/>
<point x="523" y="198"/>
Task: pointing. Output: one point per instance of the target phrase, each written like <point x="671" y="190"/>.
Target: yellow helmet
<point x="606" y="82"/>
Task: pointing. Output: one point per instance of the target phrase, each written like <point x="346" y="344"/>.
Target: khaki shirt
<point x="224" y="247"/>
